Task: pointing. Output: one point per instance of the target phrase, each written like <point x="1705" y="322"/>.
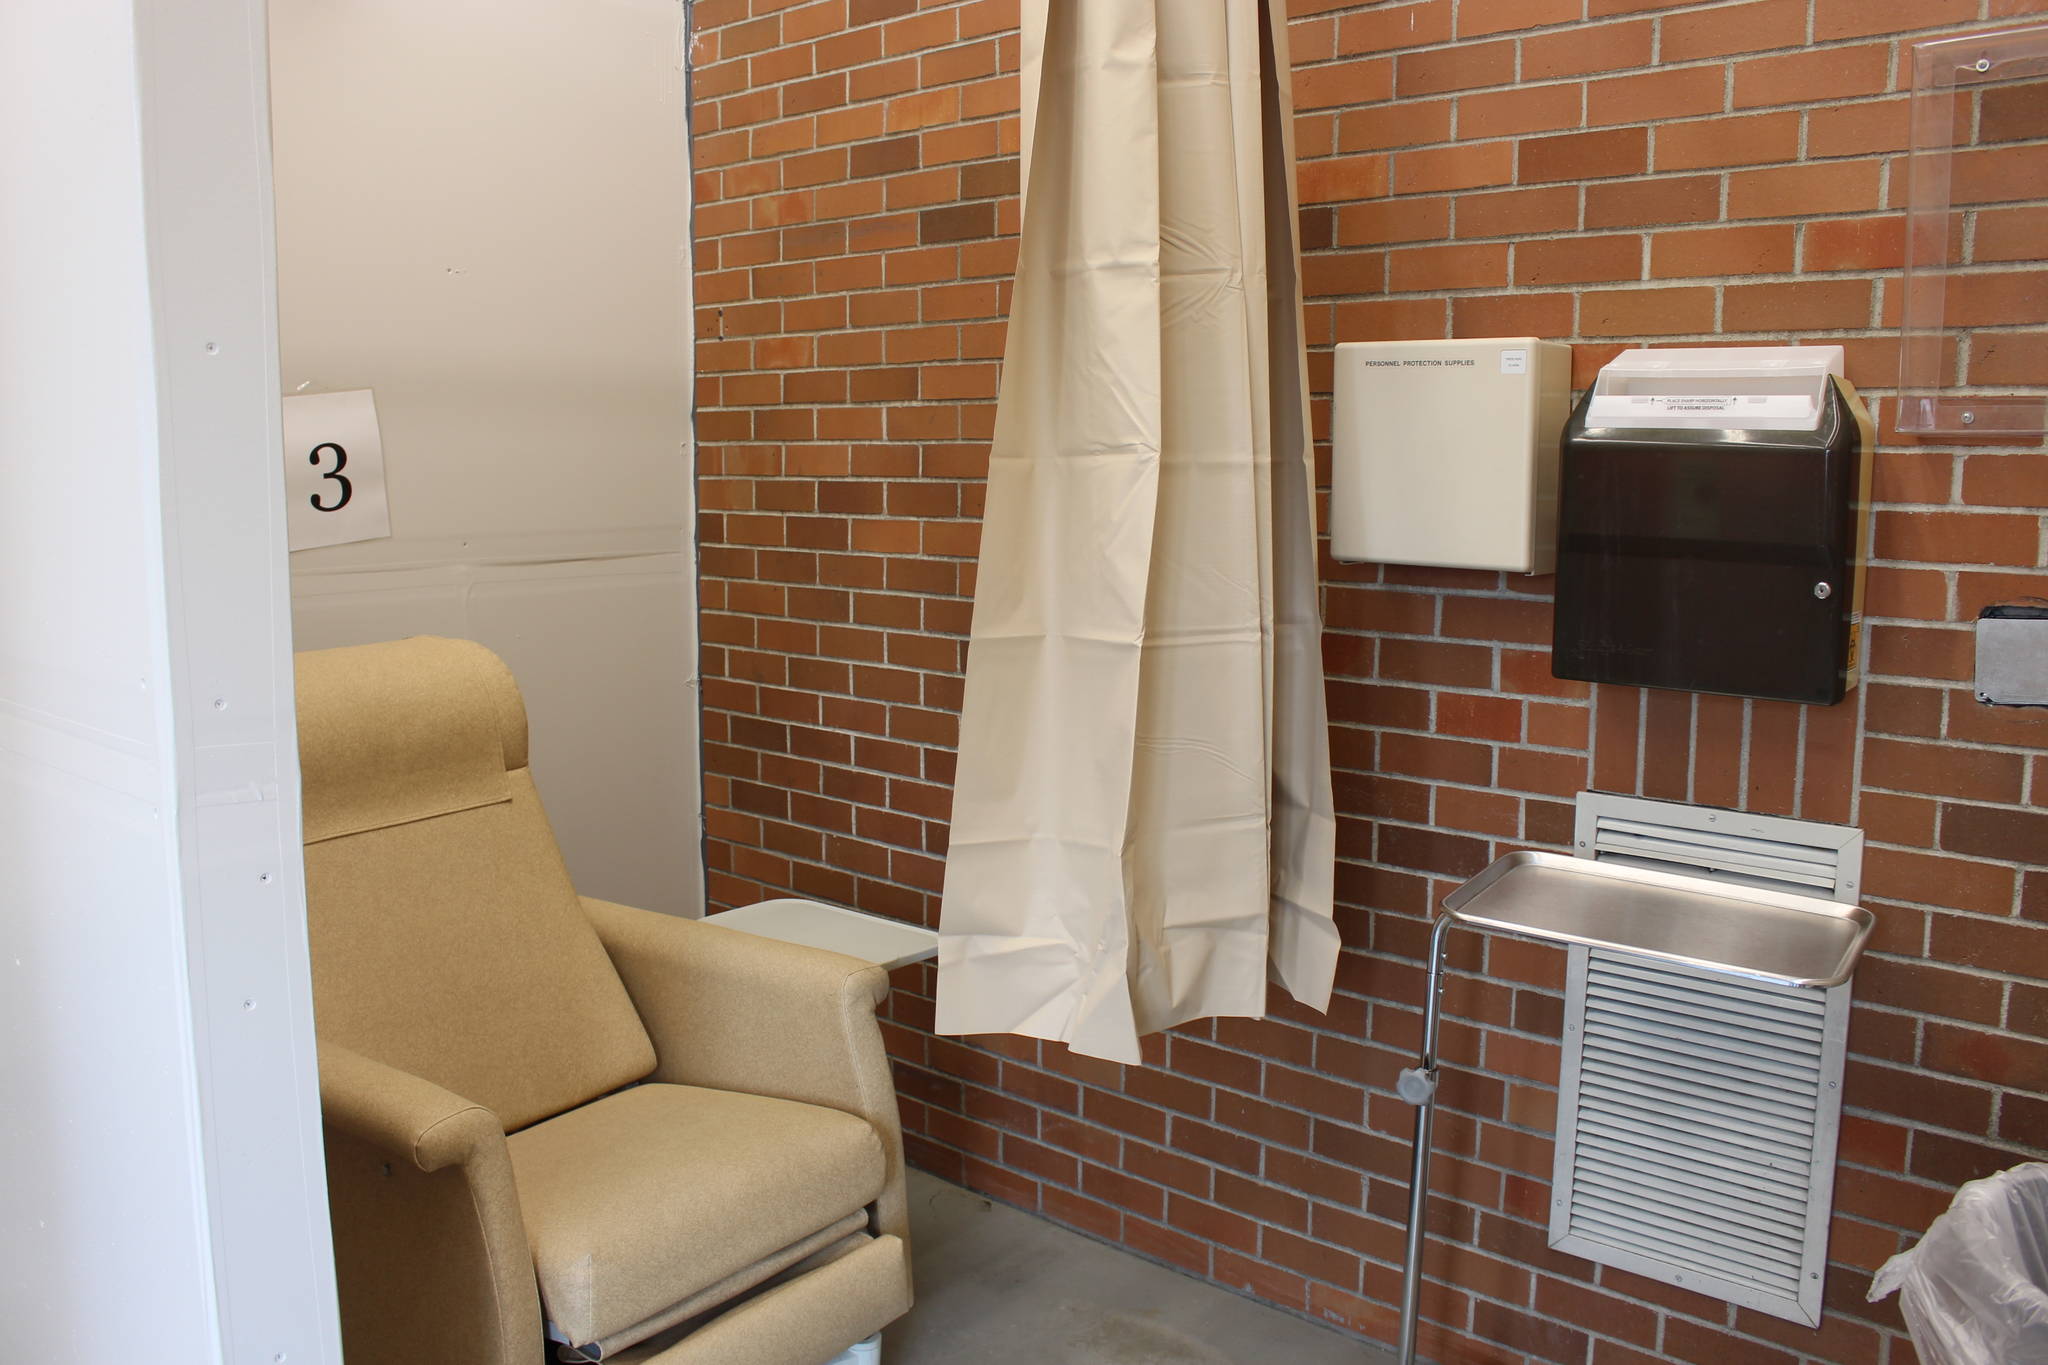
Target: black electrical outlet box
<point x="1714" y="559"/>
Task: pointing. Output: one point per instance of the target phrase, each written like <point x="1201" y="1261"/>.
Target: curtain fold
<point x="1142" y="826"/>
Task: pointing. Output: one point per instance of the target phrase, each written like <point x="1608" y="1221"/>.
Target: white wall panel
<point x="159" y="1128"/>
<point x="483" y="216"/>
<point x="99" y="1130"/>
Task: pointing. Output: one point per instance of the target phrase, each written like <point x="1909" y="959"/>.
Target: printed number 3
<point x="340" y="463"/>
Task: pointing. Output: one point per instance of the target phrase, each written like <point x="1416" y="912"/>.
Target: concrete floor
<point x="999" y="1287"/>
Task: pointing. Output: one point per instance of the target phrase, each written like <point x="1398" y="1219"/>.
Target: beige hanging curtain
<point x="1142" y="823"/>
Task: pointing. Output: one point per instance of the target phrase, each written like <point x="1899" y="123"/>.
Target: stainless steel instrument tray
<point x="1769" y="935"/>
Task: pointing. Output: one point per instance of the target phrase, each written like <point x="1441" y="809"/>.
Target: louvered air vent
<point x="1755" y="850"/>
<point x="1698" y="1110"/>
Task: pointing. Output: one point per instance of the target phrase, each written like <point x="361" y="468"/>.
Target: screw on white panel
<point x="248" y="1004"/>
<point x="263" y="877"/>
<point x="213" y="348"/>
<point x="220" y="703"/>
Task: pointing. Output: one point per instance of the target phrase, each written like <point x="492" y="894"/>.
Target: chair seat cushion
<point x="640" y="1199"/>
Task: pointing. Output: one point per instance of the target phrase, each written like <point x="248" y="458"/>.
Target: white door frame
<point x="202" y="74"/>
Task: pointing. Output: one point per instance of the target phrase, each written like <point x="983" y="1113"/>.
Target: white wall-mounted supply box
<point x="1444" y="453"/>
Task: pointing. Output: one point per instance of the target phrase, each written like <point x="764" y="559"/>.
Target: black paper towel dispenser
<point x="1711" y="514"/>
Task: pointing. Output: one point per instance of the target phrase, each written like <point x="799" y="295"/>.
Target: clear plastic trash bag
<point x="1974" y="1290"/>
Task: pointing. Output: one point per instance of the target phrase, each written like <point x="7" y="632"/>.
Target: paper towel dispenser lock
<point x="1711" y="524"/>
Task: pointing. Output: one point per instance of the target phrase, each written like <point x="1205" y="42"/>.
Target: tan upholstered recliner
<point x="664" y="1140"/>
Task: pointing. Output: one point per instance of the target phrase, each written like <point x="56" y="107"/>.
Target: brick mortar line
<point x="1598" y="288"/>
<point x="1352" y="633"/>
<point x="1905" y="1012"/>
<point x="1974" y="746"/>
<point x="1649" y="231"/>
<point x="1994" y="1090"/>
<point x="991" y="38"/>
<point x="884" y="555"/>
<point x="1728" y="110"/>
<point x="1346" y="7"/>
<point x="820" y="727"/>
<point x="961" y="83"/>
<point x="1447" y="240"/>
<point x="1800" y="158"/>
<point x="1885" y="679"/>
<point x="1584" y="81"/>
<point x="1893" y="39"/>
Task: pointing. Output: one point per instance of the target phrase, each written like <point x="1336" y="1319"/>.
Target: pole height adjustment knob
<point x="1416" y="1085"/>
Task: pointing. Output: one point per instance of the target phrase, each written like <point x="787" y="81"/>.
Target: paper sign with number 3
<point x="333" y="470"/>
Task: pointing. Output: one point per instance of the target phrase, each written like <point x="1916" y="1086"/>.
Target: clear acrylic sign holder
<point x="1975" y="278"/>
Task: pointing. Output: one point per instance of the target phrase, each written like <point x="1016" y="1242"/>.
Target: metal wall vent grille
<point x="1776" y="864"/>
<point x="1698" y="1110"/>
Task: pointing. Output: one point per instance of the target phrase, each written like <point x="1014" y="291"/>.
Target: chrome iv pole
<point x="1417" y="1085"/>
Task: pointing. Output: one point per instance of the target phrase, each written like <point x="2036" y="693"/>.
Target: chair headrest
<point x="402" y="731"/>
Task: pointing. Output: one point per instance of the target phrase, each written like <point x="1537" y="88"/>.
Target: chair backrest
<point x="446" y="938"/>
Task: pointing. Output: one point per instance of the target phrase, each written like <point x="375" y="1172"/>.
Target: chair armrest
<point x="401" y="1113"/>
<point x="455" y="1228"/>
<point x="735" y="1011"/>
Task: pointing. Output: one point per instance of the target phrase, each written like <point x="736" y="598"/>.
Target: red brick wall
<point x="1604" y="171"/>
